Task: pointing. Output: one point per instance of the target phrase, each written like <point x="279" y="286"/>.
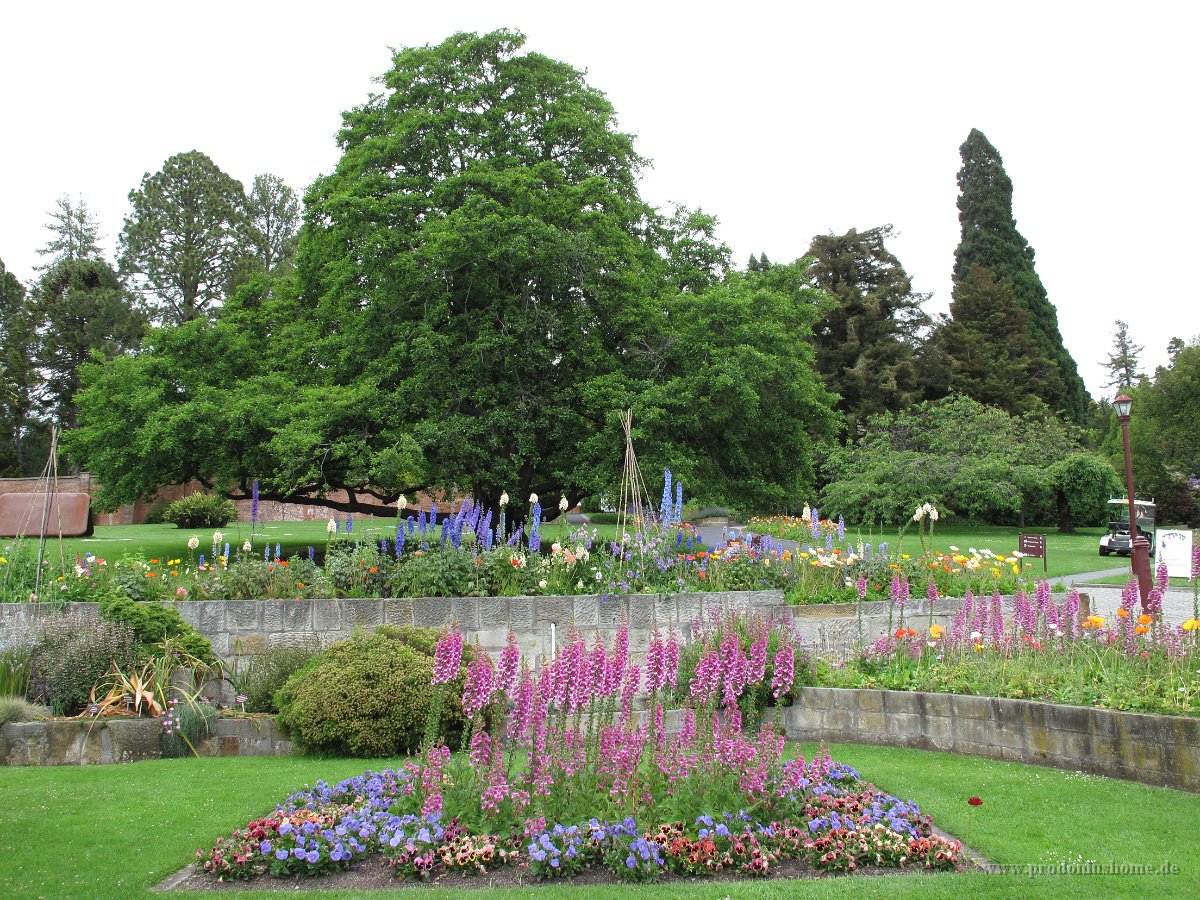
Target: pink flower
<point x="670" y="661"/>
<point x="510" y="663"/>
<point x="477" y="692"/>
<point x="654" y="671"/>
<point x="785" y="671"/>
<point x="447" y="658"/>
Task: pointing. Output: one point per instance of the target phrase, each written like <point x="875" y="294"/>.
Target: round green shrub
<point x="200" y="510"/>
<point x="152" y="623"/>
<point x="370" y="696"/>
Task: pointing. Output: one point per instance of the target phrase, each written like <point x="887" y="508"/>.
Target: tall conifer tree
<point x="990" y="239"/>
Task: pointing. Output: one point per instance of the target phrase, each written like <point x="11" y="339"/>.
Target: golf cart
<point x="1117" y="540"/>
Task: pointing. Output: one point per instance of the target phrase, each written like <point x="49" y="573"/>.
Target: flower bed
<point x="559" y="775"/>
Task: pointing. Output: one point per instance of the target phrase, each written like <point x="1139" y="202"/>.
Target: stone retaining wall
<point x="1154" y="749"/>
<point x="74" y="742"/>
<point x="240" y="628"/>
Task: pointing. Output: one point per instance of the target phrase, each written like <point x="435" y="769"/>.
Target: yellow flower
<point x="936" y="631"/>
<point x="905" y="556"/>
<point x="2" y="560"/>
<point x="1189" y="625"/>
<point x="979" y="648"/>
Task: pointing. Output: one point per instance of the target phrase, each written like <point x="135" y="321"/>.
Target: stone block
<point x="972" y="707"/>
<point x="135" y="739"/>
<point x="641" y="612"/>
<point x="934" y="704"/>
<point x="465" y="611"/>
<point x="870" y="701"/>
<point x="431" y="612"/>
<point x="493" y="612"/>
<point x="398" y="612"/>
<point x="521" y="613"/>
<point x="1067" y="718"/>
<point x="287" y="615"/>
<point x="249" y="645"/>
<point x="493" y="640"/>
<point x="244" y="615"/>
<point x="210" y="616"/>
<point x="905" y="702"/>
<point x="874" y="722"/>
<point x="327" y="616"/>
<point x="586" y="612"/>
<point x="689" y="610"/>
<point x="558" y="610"/>
<point x="610" y="611"/>
<point x="361" y="613"/>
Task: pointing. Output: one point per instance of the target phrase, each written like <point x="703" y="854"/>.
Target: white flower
<point x="542" y="584"/>
<point x="246" y="548"/>
<point x="933" y="514"/>
<point x="533" y="498"/>
<point x="1052" y="626"/>
<point x="599" y="577"/>
<point x="332" y="527"/>
<point x="919" y="514"/>
<point x="556" y="548"/>
<point x="563" y="504"/>
<point x="217" y="537"/>
<point x="807" y="514"/>
<point x="952" y="547"/>
<point x="193" y="542"/>
<point x="402" y="503"/>
<point x="579" y="587"/>
<point x="504" y="498"/>
<point x="976" y="635"/>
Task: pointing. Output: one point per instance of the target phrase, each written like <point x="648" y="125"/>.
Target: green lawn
<point x="114" y="831"/>
<point x="168" y="542"/>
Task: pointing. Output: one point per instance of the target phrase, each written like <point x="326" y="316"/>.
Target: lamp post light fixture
<point x="1139" y="547"/>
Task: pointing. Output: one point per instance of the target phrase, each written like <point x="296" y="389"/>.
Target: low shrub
<point x="200" y="510"/>
<point x="268" y="671"/>
<point x="69" y="654"/>
<point x="369" y="696"/>
<point x="18" y="709"/>
<point x="157" y="513"/>
<point x="152" y="623"/>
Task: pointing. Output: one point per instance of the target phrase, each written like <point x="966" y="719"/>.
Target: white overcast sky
<point x="784" y="120"/>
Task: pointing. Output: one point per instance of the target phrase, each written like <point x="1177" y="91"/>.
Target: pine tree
<point x="866" y="343"/>
<point x="994" y="358"/>
<point x="1122" y="363"/>
<point x="76" y="233"/>
<point x="990" y="239"/>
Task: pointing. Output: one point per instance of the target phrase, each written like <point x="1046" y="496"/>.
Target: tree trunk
<point x="1065" y="525"/>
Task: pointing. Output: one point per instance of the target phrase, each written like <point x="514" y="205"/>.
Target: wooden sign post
<point x="1033" y="545"/>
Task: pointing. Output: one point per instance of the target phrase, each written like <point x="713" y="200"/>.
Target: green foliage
<point x="1122" y="363"/>
<point x="18" y="709"/>
<point x="1085" y="482"/>
<point x="990" y="239"/>
<point x="76" y="233"/>
<point x="201" y="510"/>
<point x="157" y="513"/>
<point x="268" y="671"/>
<point x="23" y="436"/>
<point x="197" y="721"/>
<point x="153" y="623"/>
<point x="69" y="654"/>
<point x="272" y="222"/>
<point x="993" y="358"/>
<point x="369" y="696"/>
<point x="970" y="460"/>
<point x="865" y="343"/>
<point x="181" y="240"/>
<point x="82" y="314"/>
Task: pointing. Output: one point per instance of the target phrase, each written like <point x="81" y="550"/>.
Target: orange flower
<point x="702" y="574"/>
<point x="282" y="562"/>
<point x="154" y="562"/>
<point x="1145" y="655"/>
<point x="515" y="562"/>
<point x="1123" y="613"/>
<point x="1145" y="619"/>
<point x="373" y="569"/>
<point x="151" y="574"/>
<point x="1141" y="629"/>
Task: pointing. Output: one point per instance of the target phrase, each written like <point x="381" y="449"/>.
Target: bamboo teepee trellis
<point x="634" y="507"/>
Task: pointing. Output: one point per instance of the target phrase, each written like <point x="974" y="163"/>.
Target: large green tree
<point x="866" y="342"/>
<point x="971" y="460"/>
<point x="993" y="358"/>
<point x="272" y="222"/>
<point x="21" y="430"/>
<point x="478" y="291"/>
<point x="81" y="313"/>
<point x="182" y="241"/>
<point x="990" y="239"/>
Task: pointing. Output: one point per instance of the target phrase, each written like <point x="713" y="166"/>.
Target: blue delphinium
<point x="816" y="525"/>
<point x="678" y="517"/>
<point x="254" y="503"/>
<point x="422" y="523"/>
<point x="841" y="529"/>
<point x="535" y="532"/>
<point x="664" y="508"/>
<point x="349" y="523"/>
<point x="278" y="552"/>
<point x="311" y="553"/>
<point x="267" y="553"/>
<point x="400" y="539"/>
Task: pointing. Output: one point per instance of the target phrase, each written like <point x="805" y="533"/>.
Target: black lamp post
<point x="1139" y="547"/>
